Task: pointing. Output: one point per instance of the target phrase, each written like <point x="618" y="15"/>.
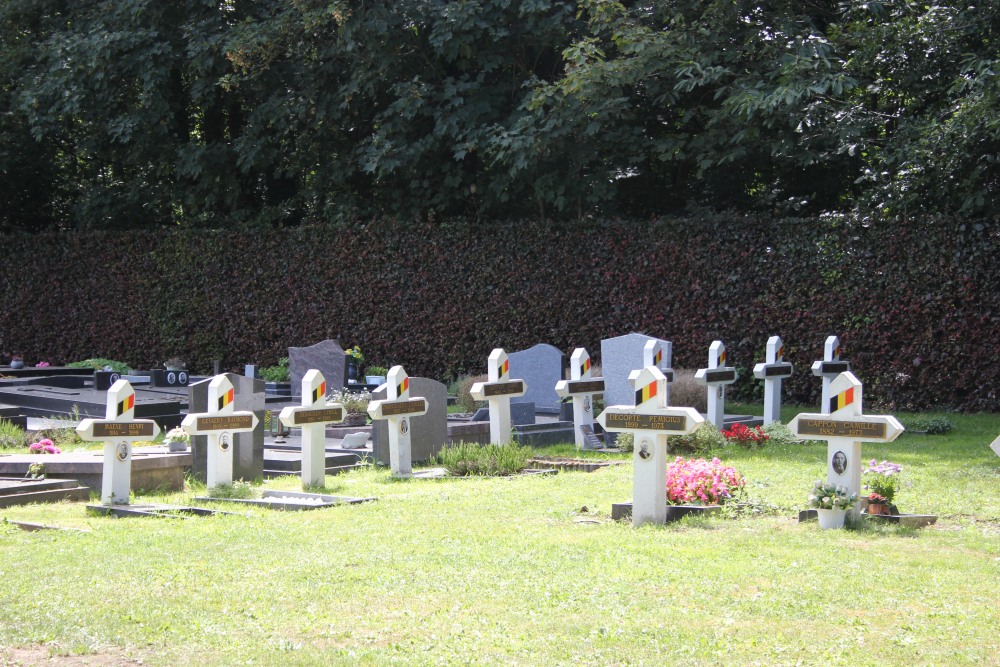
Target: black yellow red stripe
<point x="585" y="366"/>
<point x="658" y="357"/>
<point x="722" y="357"/>
<point x="126" y="404"/>
<point x="504" y="368"/>
<point x="402" y="387"/>
<point x="227" y="398"/>
<point x="319" y="392"/>
<point x="645" y="393"/>
<point x="842" y="400"/>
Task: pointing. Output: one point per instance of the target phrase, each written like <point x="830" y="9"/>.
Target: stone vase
<point x="17" y="363"/>
<point x="831" y="518"/>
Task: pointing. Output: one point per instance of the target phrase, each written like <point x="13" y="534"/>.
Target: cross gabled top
<point x="499" y="366"/>
<point x="398" y="384"/>
<point x="579" y="368"/>
<point x="313" y="389"/>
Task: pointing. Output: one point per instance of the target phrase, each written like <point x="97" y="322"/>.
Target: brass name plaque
<point x="407" y="408"/>
<point x="841" y="429"/>
<point x="616" y="421"/>
<point x="585" y="386"/>
<point x="778" y="371"/>
<point x="721" y="376"/>
<point x="321" y="416"/>
<point x="832" y="367"/>
<point x="505" y="389"/>
<point x="228" y="423"/>
<point x="122" y="429"/>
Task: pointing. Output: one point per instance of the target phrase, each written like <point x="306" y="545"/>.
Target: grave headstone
<point x="830" y="367"/>
<point x="581" y="389"/>
<point x="498" y="392"/>
<point x="619" y="357"/>
<point x="428" y="432"/>
<point x="312" y="417"/>
<point x="540" y="367"/>
<point x="772" y="371"/>
<point x="327" y="357"/>
<point x="220" y="423"/>
<point x="844" y="427"/>
<point x="118" y="431"/>
<point x="715" y="378"/>
<point x="398" y="409"/>
<point x="248" y="454"/>
<point x="660" y="353"/>
<point x="650" y="420"/>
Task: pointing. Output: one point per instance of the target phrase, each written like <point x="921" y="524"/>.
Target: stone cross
<point x="844" y="427"/>
<point x="830" y="367"/>
<point x="650" y="421"/>
<point x="660" y="353"/>
<point x="716" y="377"/>
<point x="581" y="387"/>
<point x="219" y="423"/>
<point x="771" y="372"/>
<point x="118" y="431"/>
<point x="996" y="446"/>
<point x="312" y="417"/>
<point x="397" y="409"/>
<point x="498" y="390"/>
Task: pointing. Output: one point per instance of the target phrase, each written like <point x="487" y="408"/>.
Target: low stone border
<point x="623" y="511"/>
<point x="579" y="465"/>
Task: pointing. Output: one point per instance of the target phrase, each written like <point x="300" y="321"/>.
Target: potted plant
<point x="16" y="361"/>
<point x="355" y="362"/>
<point x="177" y="440"/>
<point x="174" y="364"/>
<point x="697" y="485"/>
<point x="375" y="375"/>
<point x="355" y="406"/>
<point x="831" y="502"/>
<point x="882" y="482"/>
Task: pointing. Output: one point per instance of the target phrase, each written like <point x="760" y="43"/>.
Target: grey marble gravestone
<point x="428" y="432"/>
<point x="327" y="357"/>
<point x="620" y="356"/>
<point x="540" y="367"/>
<point x="248" y="448"/>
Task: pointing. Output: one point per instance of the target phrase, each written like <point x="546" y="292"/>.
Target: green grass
<point x="514" y="571"/>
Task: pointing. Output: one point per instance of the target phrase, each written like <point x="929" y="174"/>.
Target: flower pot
<point x="17" y="363"/>
<point x="831" y="518"/>
<point x="355" y="419"/>
<point x="375" y="379"/>
<point x="880" y="509"/>
<point x="177" y="446"/>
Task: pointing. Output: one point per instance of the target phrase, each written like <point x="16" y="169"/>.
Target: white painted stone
<point x="498" y="391"/>
<point x="772" y="371"/>
<point x="312" y="417"/>
<point x="582" y="387"/>
<point x="844" y="427"/>
<point x="650" y="421"/>
<point x="118" y="431"/>
<point x="398" y="409"/>
<point x="660" y="353"/>
<point x="830" y="367"/>
<point x="716" y="377"/>
<point x="220" y="423"/>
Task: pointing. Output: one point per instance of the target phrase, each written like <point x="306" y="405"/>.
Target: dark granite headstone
<point x="248" y="450"/>
<point x="541" y="367"/>
<point x="428" y="432"/>
<point x="327" y="357"/>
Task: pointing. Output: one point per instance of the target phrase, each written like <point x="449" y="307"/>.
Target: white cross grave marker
<point x="498" y="391"/>
<point x="398" y="408"/>
<point x="771" y="372"/>
<point x="844" y="428"/>
<point x="996" y="446"/>
<point x="219" y="423"/>
<point x="716" y="377"/>
<point x="581" y="387"/>
<point x="660" y="353"/>
<point x="312" y="417"/>
<point x="829" y="368"/>
<point x="650" y="421"/>
<point x="118" y="431"/>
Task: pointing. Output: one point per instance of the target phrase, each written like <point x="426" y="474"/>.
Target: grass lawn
<point x="526" y="570"/>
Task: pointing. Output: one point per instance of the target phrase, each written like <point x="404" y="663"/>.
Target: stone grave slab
<point x="20" y="491"/>
<point x="289" y="501"/>
<point x="428" y="432"/>
<point x="326" y="356"/>
<point x="248" y="448"/>
<point x="541" y="367"/>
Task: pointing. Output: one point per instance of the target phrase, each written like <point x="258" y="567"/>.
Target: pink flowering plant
<point x="744" y="436"/>
<point x="882" y="481"/>
<point x="701" y="482"/>
<point x="44" y="446"/>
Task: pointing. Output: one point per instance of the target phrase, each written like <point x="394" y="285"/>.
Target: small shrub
<point x="625" y="442"/>
<point x="354" y="402"/>
<point x="12" y="436"/>
<point x="929" y="425"/>
<point x="465" y="399"/>
<point x="705" y="438"/>
<point x="239" y="490"/>
<point x="99" y="364"/>
<point x="279" y="373"/>
<point x="465" y="459"/>
<point x="780" y="435"/>
<point x="702" y="482"/>
<point x="685" y="392"/>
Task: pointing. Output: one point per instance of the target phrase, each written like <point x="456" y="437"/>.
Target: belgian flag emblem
<point x="227" y="398"/>
<point x="842" y="400"/>
<point x="722" y="357"/>
<point x="319" y="392"/>
<point x="504" y="368"/>
<point x="646" y="393"/>
<point x="658" y="357"/>
<point x="781" y="354"/>
<point x="126" y="404"/>
<point x="585" y="366"/>
<point x="836" y="353"/>
<point x="402" y="387"/>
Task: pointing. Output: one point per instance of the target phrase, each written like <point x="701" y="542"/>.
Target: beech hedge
<point x="915" y="302"/>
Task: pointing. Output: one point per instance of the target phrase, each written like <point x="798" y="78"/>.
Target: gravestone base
<point x="623" y="511"/>
<point x="544" y="434"/>
<point x="750" y="421"/>
<point x="153" y="468"/>
<point x="20" y="491"/>
<point x="281" y="462"/>
<point x="910" y="520"/>
<point x="289" y="501"/>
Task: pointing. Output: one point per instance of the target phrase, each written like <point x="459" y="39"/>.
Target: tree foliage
<point x="125" y="113"/>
